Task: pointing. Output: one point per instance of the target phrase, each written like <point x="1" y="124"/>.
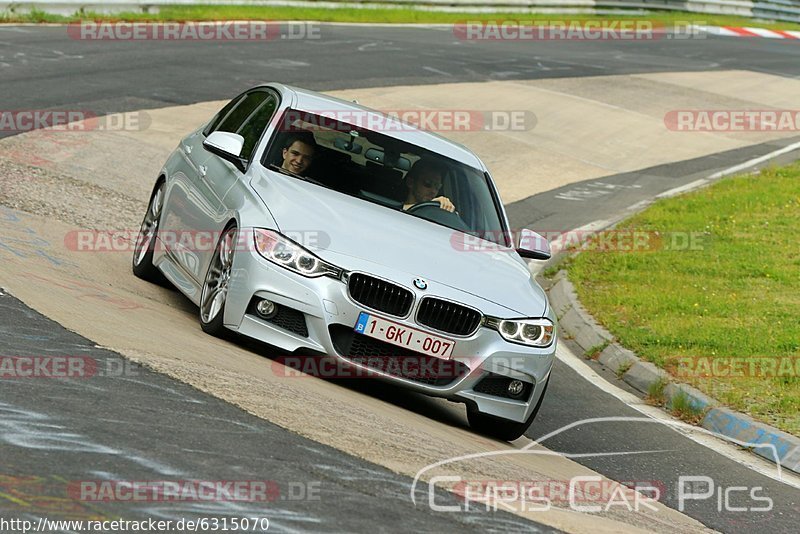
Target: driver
<point x="424" y="181"/>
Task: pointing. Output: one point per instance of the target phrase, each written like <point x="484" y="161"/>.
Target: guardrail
<point x="779" y="10"/>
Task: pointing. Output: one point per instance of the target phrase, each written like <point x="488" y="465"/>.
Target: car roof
<point x="314" y="102"/>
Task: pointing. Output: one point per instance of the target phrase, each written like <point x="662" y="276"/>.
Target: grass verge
<point x="683" y="408"/>
<point x="385" y="15"/>
<point x="712" y="294"/>
<point x="656" y="395"/>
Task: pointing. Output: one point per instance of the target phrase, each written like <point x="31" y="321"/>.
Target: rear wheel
<point x="502" y="429"/>
<point x="146" y="240"/>
<point x="215" y="288"/>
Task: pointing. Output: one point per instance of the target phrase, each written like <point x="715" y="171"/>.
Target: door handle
<point x="203" y="170"/>
<point x="187" y="149"/>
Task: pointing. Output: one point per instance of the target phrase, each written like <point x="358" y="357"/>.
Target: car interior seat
<point x="332" y="168"/>
<point x="385" y="181"/>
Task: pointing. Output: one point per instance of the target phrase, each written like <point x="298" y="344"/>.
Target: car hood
<point x="326" y="222"/>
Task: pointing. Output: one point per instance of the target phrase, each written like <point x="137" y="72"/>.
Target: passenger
<point x="424" y="181"/>
<point x="298" y="153"/>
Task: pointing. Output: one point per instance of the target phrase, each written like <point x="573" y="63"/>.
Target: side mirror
<point x="228" y="146"/>
<point x="532" y="245"/>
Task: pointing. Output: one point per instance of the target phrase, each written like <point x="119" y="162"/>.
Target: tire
<point x="215" y="287"/>
<point x="146" y="240"/>
<point x="502" y="429"/>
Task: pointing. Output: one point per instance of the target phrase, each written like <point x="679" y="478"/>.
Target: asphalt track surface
<point x="128" y="423"/>
<point x="43" y="69"/>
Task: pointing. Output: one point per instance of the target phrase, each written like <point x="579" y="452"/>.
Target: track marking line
<point x="700" y="436"/>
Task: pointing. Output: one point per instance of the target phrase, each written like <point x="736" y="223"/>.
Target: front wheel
<point x="502" y="429"/>
<point x="215" y="287"/>
<point x="146" y="240"/>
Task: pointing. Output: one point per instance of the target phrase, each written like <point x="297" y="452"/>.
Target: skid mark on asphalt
<point x="376" y="47"/>
<point x="593" y="191"/>
<point x="29" y="429"/>
<point x="33" y="430"/>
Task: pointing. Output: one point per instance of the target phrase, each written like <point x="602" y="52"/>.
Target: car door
<point x="181" y="216"/>
<point x="196" y="214"/>
<point x="222" y="175"/>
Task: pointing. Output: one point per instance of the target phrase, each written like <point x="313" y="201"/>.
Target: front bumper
<point x="480" y="362"/>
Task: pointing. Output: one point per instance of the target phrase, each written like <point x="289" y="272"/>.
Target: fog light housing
<point x="516" y="388"/>
<point x="266" y="309"/>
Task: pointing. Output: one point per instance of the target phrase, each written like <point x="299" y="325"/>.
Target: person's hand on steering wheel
<point x="445" y="203"/>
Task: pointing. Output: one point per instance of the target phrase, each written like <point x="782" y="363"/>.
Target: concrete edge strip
<point x="767" y="441"/>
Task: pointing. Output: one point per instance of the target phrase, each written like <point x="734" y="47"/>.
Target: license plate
<point x="404" y="336"/>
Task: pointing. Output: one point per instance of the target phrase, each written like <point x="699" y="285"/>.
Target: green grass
<point x="682" y="407"/>
<point x="400" y="15"/>
<point x="592" y="353"/>
<point x="623" y="368"/>
<point x="656" y="394"/>
<point x="736" y="295"/>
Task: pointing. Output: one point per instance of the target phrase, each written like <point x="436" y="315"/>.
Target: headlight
<point x="533" y="332"/>
<point x="286" y="253"/>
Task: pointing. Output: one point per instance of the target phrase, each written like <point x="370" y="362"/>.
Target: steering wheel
<point x="432" y="211"/>
<point x="421" y="205"/>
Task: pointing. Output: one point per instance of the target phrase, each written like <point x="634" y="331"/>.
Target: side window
<point x="254" y="126"/>
<point x="239" y="114"/>
<point x="247" y="116"/>
<point x="214" y="124"/>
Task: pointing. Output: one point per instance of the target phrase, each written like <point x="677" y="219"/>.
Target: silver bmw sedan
<point x="358" y="245"/>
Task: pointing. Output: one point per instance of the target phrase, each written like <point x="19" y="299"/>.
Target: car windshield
<point x="377" y="168"/>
